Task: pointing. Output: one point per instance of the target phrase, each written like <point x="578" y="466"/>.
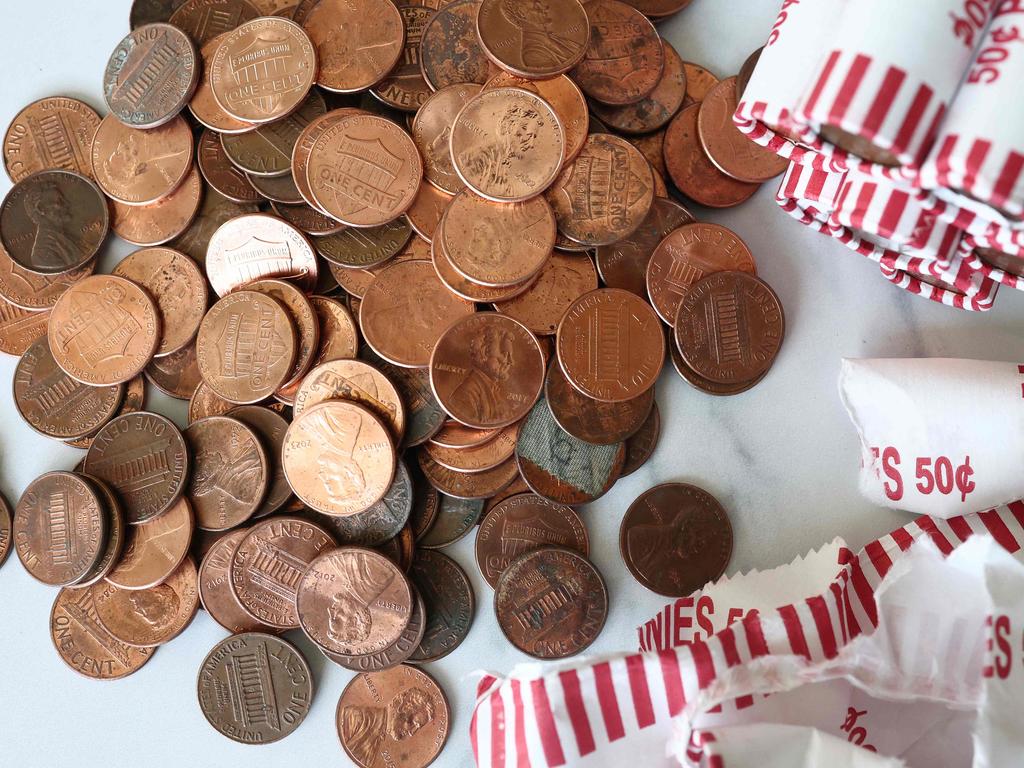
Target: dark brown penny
<point x="5" y="529"/>
<point x="477" y="458"/>
<point x="449" y="601"/>
<point x="272" y="701"/>
<point x="729" y="327"/>
<point x="746" y="71"/>
<point x="214" y="211"/>
<point x="279" y="189"/>
<point x="204" y="20"/>
<point x="657" y="108"/>
<point x="426" y="502"/>
<point x="732" y="151"/>
<point x="535" y="40"/>
<point x="215" y="591"/>
<point x="381" y="522"/>
<point x="230" y="473"/>
<point x="450" y="51"/>
<point x="154" y="550"/>
<point x="454" y="519"/>
<point x="357" y="43"/>
<point x="625" y="58"/>
<point x="563" y="279"/>
<point x="357" y="382"/>
<point x="50" y="133"/>
<point x="468" y="485"/>
<point x="695" y="380"/>
<point x="424" y="415"/>
<point x="551" y="603"/>
<point x="675" y="538"/>
<point x="177" y="374"/>
<point x="698" y="82"/>
<point x="521" y="524"/>
<point x="591" y="420"/>
<point x="146" y="618"/>
<point x="267" y="151"/>
<point x="221" y="173"/>
<point x="396" y="653"/>
<point x="270" y="427"/>
<point x="303" y="317"/>
<point x="365" y="247"/>
<point x="640" y="446"/>
<point x="404" y="87"/>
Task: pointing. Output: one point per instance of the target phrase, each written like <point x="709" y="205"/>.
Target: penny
<point x="309" y="220"/>
<point x="693" y="172"/>
<point x="426" y="502"/>
<point x="746" y="71"/>
<point x="396" y="653"/>
<point x="53" y="221"/>
<point x="133" y="401"/>
<point x="118" y="532"/>
<point x="563" y="279"/>
<point x="698" y="82"/>
<point x="400" y="550"/>
<point x="303" y="146"/>
<point x="50" y="134"/>
<point x="654" y="110"/>
<point x="399" y="715"/>
<point x="230" y="475"/>
<point x="651" y="146"/>
<point x="357" y="43"/>
<point x="303" y="317"/>
<point x="467" y="485"/>
<point x="461" y="286"/>
<point x="477" y="458"/>
<point x="177" y="374"/>
<point x="215" y="586"/>
<point x="53" y="403"/>
<point x="204" y="106"/>
<point x="270" y="428"/>
<point x="450" y="51"/>
<point x="659" y="9"/>
<point x="449" y="602"/>
<point x="640" y="446"/>
<point x="151" y="11"/>
<point x="534" y="40"/>
<point x="33" y="291"/>
<point x="267" y="151"/>
<point x="507" y="144"/>
<point x="456" y="435"/>
<point x="521" y="524"/>
<point x="282" y="8"/>
<point x="593" y="421"/>
<point x="731" y="151"/>
<point x="339" y="336"/>
<point x="406" y="310"/>
<point x="5" y="529"/>
<point x="381" y="522"/>
<point x="857" y="145"/>
<point x="354" y="601"/>
<point x="267" y="566"/>
<point x="160" y="222"/>
<point x="432" y="128"/>
<point x="625" y="58"/>
<point x="205" y="402"/>
<point x="367" y="247"/>
<point x="272" y="701"/>
<point x="154" y="549"/>
<point x="221" y="174"/>
<point x="613" y="170"/>
<point x="404" y="87"/>
<point x="278" y="189"/>
<point x="146" y="618"/>
<point x="427" y="209"/>
<point x="687" y="255"/>
<point x="551" y="603"/>
<point x="609" y="345"/>
<point x="138" y="167"/>
<point x="84" y="645"/>
<point x="357" y="382"/>
<point x="339" y="458"/>
<point x="203" y="20"/>
<point x="214" y="211"/>
<point x="424" y="416"/>
<point x="708" y="387"/>
<point x="565" y="98"/>
<point x="453" y="520"/>
<point x="514" y="488"/>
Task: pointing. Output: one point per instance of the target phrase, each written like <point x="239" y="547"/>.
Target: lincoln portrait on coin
<point x="518" y="127"/>
<point x="237" y="476"/>
<point x="54" y="245"/>
<point x="156" y="606"/>
<point x="543" y="45"/>
<point x="655" y="543"/>
<point x="349" y="619"/>
<point x="483" y="389"/>
<point x="363" y="729"/>
<point x="339" y="472"/>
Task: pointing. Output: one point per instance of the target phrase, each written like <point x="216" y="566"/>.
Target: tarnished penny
<point x="177" y="374"/>
<point x="339" y="458"/>
<point x="267" y="150"/>
<point x="450" y="51"/>
<point x="221" y="174"/>
<point x="230" y="472"/>
<point x="467" y="485"/>
<point x="176" y="284"/>
<point x="270" y="427"/>
<point x="214" y="211"/>
<point x="427" y="209"/>
<point x="698" y="82"/>
<point x="730" y="150"/>
<point x="534" y="39"/>
<point x="357" y="43"/>
<point x="151" y="11"/>
<point x="449" y="602"/>
<point x="454" y="519"/>
<point x="255" y="688"/>
<point x="640" y="446"/>
<point x="687" y="255"/>
<point x="53" y="222"/>
<point x="404" y="87"/>
<point x="564" y="278"/>
<point x="675" y="538"/>
<point x="625" y="59"/>
<point x="365" y="248"/>
<point x="137" y="167"/>
<point x="278" y="189"/>
<point x="405" y="311"/>
<point x="424" y="416"/>
<point x="33" y="291"/>
<point x="591" y="420"/>
<point x="521" y="524"/>
<point x="204" y="106"/>
<point x="610" y="345"/>
<point x="84" y="645"/>
<point x="308" y="219"/>
<point x="354" y="601"/>
<point x="507" y="144"/>
<point x="52" y="133"/>
<point x="204" y="20"/>
<point x="381" y="522"/>
<point x="154" y="549"/>
<point x="551" y="603"/>
<point x="215" y="590"/>
<point x="5" y="529"/>
<point x="478" y="458"/>
<point x="565" y="98"/>
<point x="357" y="382"/>
<point x="432" y="127"/>
<point x="399" y="715"/>
<point x="146" y="618"/>
<point x="116" y="535"/>
<point x="426" y="502"/>
<point x="303" y="317"/>
<point x="396" y="653"/>
<point x="657" y="108"/>
<point x="267" y="566"/>
<point x="160" y="222"/>
<point x="339" y="336"/>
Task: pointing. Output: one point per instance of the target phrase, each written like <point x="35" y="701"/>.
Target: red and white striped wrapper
<point x="974" y="249"/>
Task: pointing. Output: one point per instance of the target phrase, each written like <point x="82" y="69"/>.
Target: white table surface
<point x="781" y="458"/>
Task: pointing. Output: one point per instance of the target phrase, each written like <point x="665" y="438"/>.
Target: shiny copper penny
<point x="155" y="549"/>
<point x="507" y="144"/>
<point x="270" y="427"/>
<point x="640" y="446"/>
<point x="274" y="671"/>
<point x="215" y="586"/>
<point x="534" y="40"/>
<point x="400" y="714"/>
<point x="564" y="278"/>
<point x="221" y="174"/>
<point x="160" y="222"/>
<point x="456" y="435"/>
<point x="204" y="20"/>
<point x="565" y="98"/>
<point x="657" y="108"/>
<point x="204" y="106"/>
<point x="731" y="151"/>
<point x="675" y="538"/>
<point x="450" y="51"/>
<point x="454" y="519"/>
<point x="339" y="458"/>
<point x="214" y="211"/>
<point x="146" y="618"/>
<point x="339" y="336"/>
<point x="19" y="328"/>
<point x="365" y="248"/>
<point x="84" y="645"/>
<point x="357" y="43"/>
<point x="230" y="474"/>
<point x="177" y="374"/>
<point x="423" y="415"/>
<point x="698" y="82"/>
<point x="460" y="285"/>
<point x="267" y="150"/>
<point x="625" y="59"/>
<point x="405" y="311"/>
<point x="303" y="317"/>
<point x="383" y="521"/>
<point x="177" y="286"/>
<point x="53" y="222"/>
<point x="404" y="87"/>
<point x="591" y="420"/>
<point x="267" y="566"/>
<point x="432" y="128"/>
<point x="357" y="382"/>
<point x="521" y="524"/>
<point x="449" y="602"/>
<point x="467" y="485"/>
<point x="427" y="209"/>
<point x="478" y="458"/>
<point x="354" y="601"/>
<point x="138" y="167"/>
<point x="395" y="654"/>
<point x="551" y="603"/>
<point x="49" y="134"/>
<point x="610" y="169"/>
<point x="708" y="387"/>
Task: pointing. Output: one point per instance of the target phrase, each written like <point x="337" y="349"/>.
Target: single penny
<point x="625" y="58"/>
<point x="19" y="328"/>
<point x="468" y="486"/>
<point x="659" y="9"/>
<point x="478" y="458"/>
<point x="641" y="444"/>
<point x="272" y="701"/>
<point x="427" y="209"/>
<point x="270" y="427"/>
<point x="53" y="222"/>
<point x="204" y="106"/>
<point x="404" y="88"/>
<point x="732" y="152"/>
<point x="383" y="521"/>
<point x="857" y="145"/>
<point x="357" y="43"/>
<point x="215" y="590"/>
<point x="177" y="374"/>
<point x="365" y="247"/>
<point x="565" y="98"/>
<point x="230" y="475"/>
<point x="729" y="327"/>
<point x="651" y="146"/>
<point x="84" y="645"/>
<point x="357" y="382"/>
<point x="657" y="108"/>
<point x="267" y="566"/>
<point x="535" y="40"/>
<point x="279" y="189"/>
<point x="214" y="211"/>
<point x="267" y="150"/>
<point x="205" y="402"/>
<point x="449" y="602"/>
<point x="155" y="549"/>
<point x="203" y="20"/>
<point x="5" y="529"/>
<point x="687" y="255"/>
<point x="450" y="51"/>
<point x="303" y="317"/>
<point x="453" y="520"/>
<point x="564" y="278"/>
<point x="461" y="286"/>
<point x="399" y="715"/>
<point x="396" y="653"/>
<point x="137" y="167"/>
<point x="32" y="291"/>
<point x="50" y="134"/>
<point x="424" y="416"/>
<point x="456" y="435"/>
<point x="162" y="221"/>
<point x="698" y="83"/>
<point x="223" y="176"/>
<point x="551" y="603"/>
<point x="594" y="421"/>
<point x="432" y="127"/>
<point x="146" y="618"/>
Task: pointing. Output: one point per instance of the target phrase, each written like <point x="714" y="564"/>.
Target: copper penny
<point x="33" y="291"/>
<point x="640" y="446"/>
<point x="312" y="221"/>
<point x="214" y="211"/>
<point x="423" y="415"/>
<point x="651" y="146"/>
<point x="367" y="247"/>
<point x="221" y="174"/>
<point x="454" y="519"/>
<point x="231" y="473"/>
<point x="625" y="59"/>
<point x="138" y="167"/>
<point x="146" y="618"/>
<point x="354" y="601"/>
<point x="50" y="134"/>
<point x="380" y="523"/>
<point x="270" y="427"/>
<point x="708" y="387"/>
<point x="339" y="336"/>
<point x="395" y="654"/>
<point x="427" y="209"/>
<point x="521" y="524"/>
<point x="404" y="87"/>
<point x="133" y="401"/>
<point x="405" y="311"/>
<point x="84" y="645"/>
<point x="150" y="11"/>
<point x="204" y="20"/>
<point x="357" y="43"/>
<point x="357" y="382"/>
<point x="116" y="535"/>
<point x="732" y="152"/>
<point x="535" y="40"/>
<point x="551" y="603"/>
<point x="450" y="51"/>
<point x="456" y="435"/>
<point x="657" y="108"/>
<point x="467" y="485"/>
<point x="400" y="550"/>
<point x="857" y="145"/>
<point x="610" y="346"/>
<point x="565" y="98"/>
<point x="477" y="458"/>
<point x="177" y="374"/>
<point x="215" y="590"/>
<point x="339" y="458"/>
<point x="399" y="715"/>
<point x="461" y="286"/>
<point x="19" y="328"/>
<point x="204" y="106"/>
<point x="514" y="488"/>
<point x="303" y="317"/>
<point x="273" y="700"/>
<point x="675" y="538"/>
<point x="205" y="402"/>
<point x="278" y="189"/>
<point x="432" y="128"/>
<point x="698" y="83"/>
<point x="267" y="566"/>
<point x="591" y="420"/>
<point x="304" y="145"/>
<point x="250" y="248"/>
<point x="267" y="151"/>
<point x="746" y="72"/>
<point x="687" y="255"/>
<point x="564" y="278"/>
<point x="693" y="172"/>
<point x="154" y="549"/>
<point x="449" y="602"/>
<point x="507" y="144"/>
<point x="160" y="222"/>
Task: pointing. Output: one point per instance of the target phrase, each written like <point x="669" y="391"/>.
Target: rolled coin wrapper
<point x="1002" y="263"/>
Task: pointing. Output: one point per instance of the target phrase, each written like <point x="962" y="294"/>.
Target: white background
<point x="781" y="458"/>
